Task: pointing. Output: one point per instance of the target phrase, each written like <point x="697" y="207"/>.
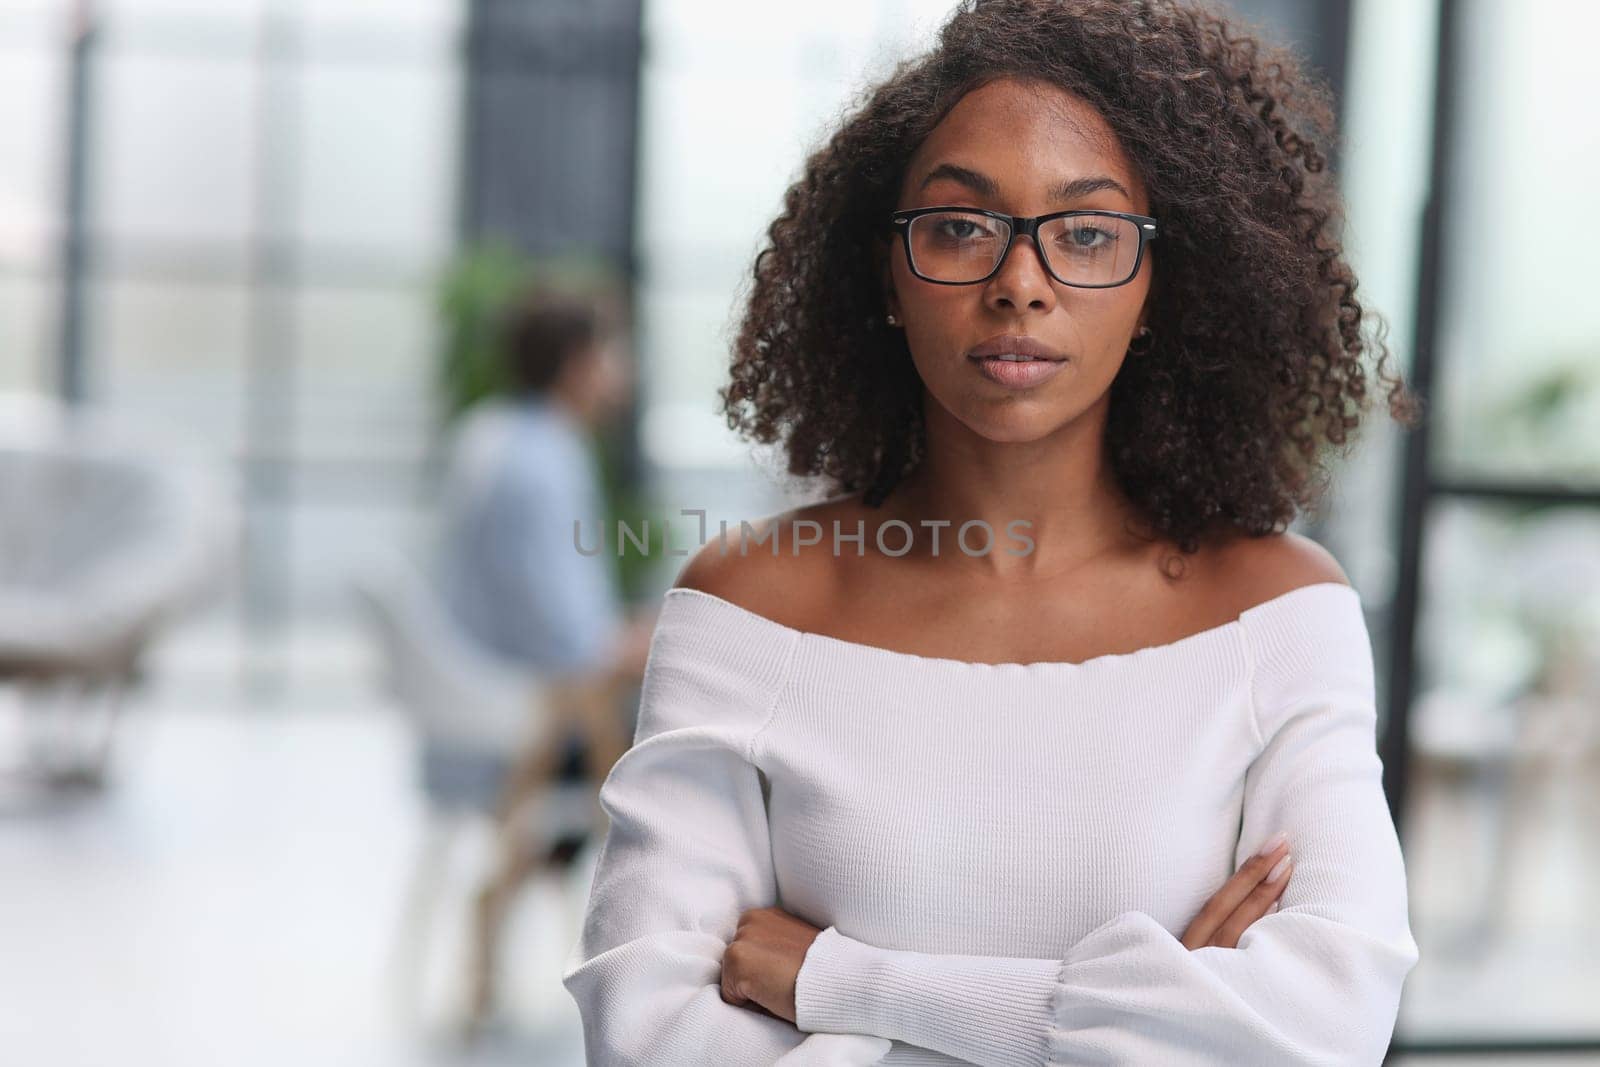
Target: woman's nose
<point x="1022" y="278"/>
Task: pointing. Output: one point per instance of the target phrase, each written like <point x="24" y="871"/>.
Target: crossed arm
<point x="1316" y="982"/>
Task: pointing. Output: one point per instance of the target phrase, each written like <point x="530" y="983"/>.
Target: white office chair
<point x="108" y="532"/>
<point x="457" y="697"/>
<point x="473" y="717"/>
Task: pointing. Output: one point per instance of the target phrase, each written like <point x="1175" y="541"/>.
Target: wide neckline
<point x="888" y="655"/>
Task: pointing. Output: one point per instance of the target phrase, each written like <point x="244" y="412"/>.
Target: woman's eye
<point x="1088" y="239"/>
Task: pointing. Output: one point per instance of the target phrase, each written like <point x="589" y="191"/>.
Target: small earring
<point x="1146" y="335"/>
<point x="891" y="320"/>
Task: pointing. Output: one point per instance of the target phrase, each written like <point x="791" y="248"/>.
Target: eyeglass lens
<point x="958" y="246"/>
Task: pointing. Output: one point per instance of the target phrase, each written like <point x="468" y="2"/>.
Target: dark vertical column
<point x="71" y="374"/>
<point x="552" y="111"/>
<point x="268" y="414"/>
<point x="1333" y="54"/>
<point x="1414" y="489"/>
<point x="1317" y="29"/>
<point x="550" y="134"/>
<point x="1327" y="42"/>
<point x="1320" y="31"/>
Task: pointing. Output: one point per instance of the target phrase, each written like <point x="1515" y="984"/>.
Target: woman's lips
<point x="1018" y="375"/>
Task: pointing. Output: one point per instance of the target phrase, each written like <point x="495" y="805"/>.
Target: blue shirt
<point x="521" y="471"/>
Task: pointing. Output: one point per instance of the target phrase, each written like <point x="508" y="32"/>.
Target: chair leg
<point x="518" y="859"/>
<point x="87" y="728"/>
<point x="587" y="707"/>
<point x="575" y="893"/>
<point x="408" y="957"/>
<point x="100" y="745"/>
<point x="1523" y="778"/>
<point x="40" y="703"/>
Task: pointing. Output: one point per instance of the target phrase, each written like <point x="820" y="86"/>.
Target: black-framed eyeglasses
<point x="967" y="245"/>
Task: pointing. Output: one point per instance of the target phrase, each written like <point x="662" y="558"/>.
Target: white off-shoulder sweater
<point x="1002" y="856"/>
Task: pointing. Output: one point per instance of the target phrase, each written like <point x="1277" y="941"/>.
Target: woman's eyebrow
<point x="984" y="185"/>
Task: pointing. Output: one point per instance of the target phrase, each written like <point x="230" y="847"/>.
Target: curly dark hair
<point x="1257" y="364"/>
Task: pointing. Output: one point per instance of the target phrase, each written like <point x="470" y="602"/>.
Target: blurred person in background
<point x="521" y="472"/>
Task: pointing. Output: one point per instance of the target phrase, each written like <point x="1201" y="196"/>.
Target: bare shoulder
<point x="730" y="566"/>
<point x="1258" y="569"/>
<point x="761" y="571"/>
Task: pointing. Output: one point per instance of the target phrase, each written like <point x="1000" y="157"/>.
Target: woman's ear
<point x="881" y="253"/>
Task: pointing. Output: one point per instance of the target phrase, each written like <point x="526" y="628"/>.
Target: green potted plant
<point x="474" y="293"/>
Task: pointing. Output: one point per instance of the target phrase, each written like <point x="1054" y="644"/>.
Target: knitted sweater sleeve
<point x="1316" y="982"/>
<point x="686" y="853"/>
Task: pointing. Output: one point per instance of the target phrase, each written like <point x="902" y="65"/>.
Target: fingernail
<point x="1277" y="872"/>
<point x="1273" y="842"/>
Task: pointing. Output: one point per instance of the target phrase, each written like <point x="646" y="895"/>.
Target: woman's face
<point x="1004" y="147"/>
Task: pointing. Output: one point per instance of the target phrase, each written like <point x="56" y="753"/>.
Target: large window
<point x="31" y="82"/>
<point x="269" y="196"/>
<point x="1504" y="758"/>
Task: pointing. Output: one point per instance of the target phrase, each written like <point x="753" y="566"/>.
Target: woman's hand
<point x="760" y="965"/>
<point x="1243" y="899"/>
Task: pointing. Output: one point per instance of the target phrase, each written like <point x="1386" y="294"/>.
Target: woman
<point x="895" y="799"/>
